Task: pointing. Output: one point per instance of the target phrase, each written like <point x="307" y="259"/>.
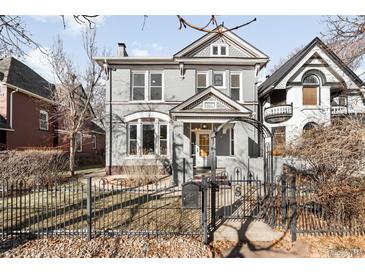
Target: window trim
<point x="312" y="85"/>
<point x="132" y="84"/>
<point x="206" y="79"/>
<point x="42" y="111"/>
<point x="224" y="79"/>
<point x="239" y="73"/>
<point x="219" y="50"/>
<point x="78" y="134"/>
<point x="150" y="86"/>
<point x="156" y="123"/>
<point x="94" y="145"/>
<point x="147" y="86"/>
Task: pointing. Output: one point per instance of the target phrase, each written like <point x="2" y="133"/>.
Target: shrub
<point x="330" y="160"/>
<point x="34" y="167"/>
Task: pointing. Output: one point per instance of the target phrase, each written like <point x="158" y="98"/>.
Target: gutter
<point x="30" y="93"/>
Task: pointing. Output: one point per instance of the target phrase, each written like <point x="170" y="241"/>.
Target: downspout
<point x="11" y="107"/>
<point x="110" y="122"/>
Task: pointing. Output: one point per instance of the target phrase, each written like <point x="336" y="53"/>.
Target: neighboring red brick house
<point x="25" y="104"/>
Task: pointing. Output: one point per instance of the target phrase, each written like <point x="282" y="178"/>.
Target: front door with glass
<point x="203" y="155"/>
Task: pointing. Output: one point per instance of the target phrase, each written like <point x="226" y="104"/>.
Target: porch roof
<point x="210" y="104"/>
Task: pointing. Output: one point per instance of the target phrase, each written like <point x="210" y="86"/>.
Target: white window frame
<point x="224" y="79"/>
<point x="240" y="81"/>
<point x="40" y="121"/>
<point x="206" y="79"/>
<point x="210" y="102"/>
<point x="149" y="85"/>
<point x="220" y="46"/>
<point x="94" y="141"/>
<point x="139" y="123"/>
<point x="310" y="85"/>
<point x="78" y="134"/>
<point x="137" y="141"/>
<point x="145" y="85"/>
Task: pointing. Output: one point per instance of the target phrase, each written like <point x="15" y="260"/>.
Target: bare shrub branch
<point x="331" y="160"/>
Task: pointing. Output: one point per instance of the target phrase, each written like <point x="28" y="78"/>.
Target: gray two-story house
<point x="164" y="109"/>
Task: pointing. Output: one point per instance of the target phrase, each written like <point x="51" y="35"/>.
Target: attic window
<point x="219" y="50"/>
<point x="210" y="105"/>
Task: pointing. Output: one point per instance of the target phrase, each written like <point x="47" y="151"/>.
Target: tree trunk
<point x="72" y="154"/>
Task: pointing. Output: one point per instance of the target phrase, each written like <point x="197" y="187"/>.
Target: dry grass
<point x="332" y="247"/>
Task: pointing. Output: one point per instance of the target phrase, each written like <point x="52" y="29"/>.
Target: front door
<point x="203" y="155"/>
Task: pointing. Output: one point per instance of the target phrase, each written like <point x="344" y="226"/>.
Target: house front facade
<point x="312" y="88"/>
<point x="164" y="109"/>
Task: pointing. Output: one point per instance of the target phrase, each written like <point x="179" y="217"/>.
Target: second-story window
<point x="138" y="86"/>
<point x="235" y="86"/>
<point x="155" y="86"/>
<point x="311" y="90"/>
<point x="218" y="79"/>
<point x="202" y="82"/>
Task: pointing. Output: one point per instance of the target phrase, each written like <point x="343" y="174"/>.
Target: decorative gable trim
<point x="232" y="106"/>
<point x="230" y="36"/>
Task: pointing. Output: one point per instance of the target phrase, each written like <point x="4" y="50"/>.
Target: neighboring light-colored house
<point x="25" y="108"/>
<point x="309" y="89"/>
<point x="164" y="109"/>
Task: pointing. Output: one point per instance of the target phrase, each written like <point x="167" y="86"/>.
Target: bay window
<point x="148" y="137"/>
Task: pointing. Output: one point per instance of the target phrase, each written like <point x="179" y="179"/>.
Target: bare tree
<point x="14" y="36"/>
<point x="75" y="91"/>
<point x="346" y="36"/>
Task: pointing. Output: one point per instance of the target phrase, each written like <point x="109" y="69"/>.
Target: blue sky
<point x="276" y="36"/>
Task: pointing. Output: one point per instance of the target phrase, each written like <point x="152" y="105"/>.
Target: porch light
<point x="204" y="126"/>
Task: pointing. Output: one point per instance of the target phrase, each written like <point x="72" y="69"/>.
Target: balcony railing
<point x="278" y="114"/>
<point x="339" y="110"/>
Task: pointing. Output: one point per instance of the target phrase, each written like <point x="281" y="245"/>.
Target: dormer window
<point x="311" y="90"/>
<point x="219" y="50"/>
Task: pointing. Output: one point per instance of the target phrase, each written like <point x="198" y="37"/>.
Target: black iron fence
<point x="100" y="207"/>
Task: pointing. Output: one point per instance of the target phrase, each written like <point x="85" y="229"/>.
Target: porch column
<point x="181" y="151"/>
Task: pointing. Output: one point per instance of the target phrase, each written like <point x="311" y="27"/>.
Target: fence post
<point x="204" y="188"/>
<point x="293" y="208"/>
<point x="284" y="200"/>
<point x="89" y="208"/>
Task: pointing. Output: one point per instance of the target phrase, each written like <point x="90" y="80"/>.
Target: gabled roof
<point x="18" y="74"/>
<point x="231" y="106"/>
<point x="282" y="71"/>
<point x="231" y="36"/>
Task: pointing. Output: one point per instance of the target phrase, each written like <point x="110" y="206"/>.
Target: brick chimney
<point x="121" y="50"/>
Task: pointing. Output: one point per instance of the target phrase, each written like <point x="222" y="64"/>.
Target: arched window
<point x="148" y="133"/>
<point x="309" y="126"/>
<point x="311" y="90"/>
<point x="311" y="79"/>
